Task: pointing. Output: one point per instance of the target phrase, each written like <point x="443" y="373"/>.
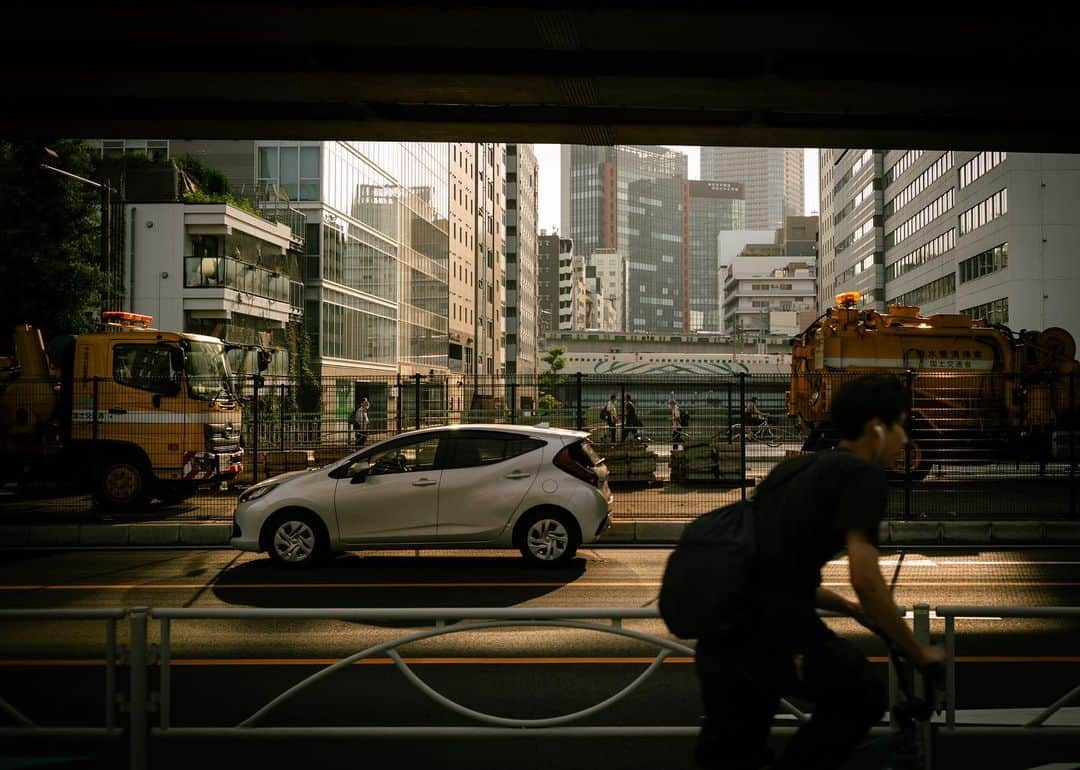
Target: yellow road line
<point x="195" y="662"/>
<point x="536" y="584"/>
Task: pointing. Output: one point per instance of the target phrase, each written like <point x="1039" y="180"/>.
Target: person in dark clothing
<point x="836" y="500"/>
<point x="631" y="421"/>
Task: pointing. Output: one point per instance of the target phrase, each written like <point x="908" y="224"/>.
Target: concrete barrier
<point x="658" y="532"/>
<point x="965" y="532"/>
<point x="54" y="534"/>
<point x="104" y="534"/>
<point x="14" y="536"/>
<point x="155" y="534"/>
<point x="205" y="534"/>
<point x="1016" y="532"/>
<point x="914" y="532"/>
<point x="1061" y="532"/>
<point x="621" y="532"/>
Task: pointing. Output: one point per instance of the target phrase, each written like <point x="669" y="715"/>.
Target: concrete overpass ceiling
<point x="645" y="72"/>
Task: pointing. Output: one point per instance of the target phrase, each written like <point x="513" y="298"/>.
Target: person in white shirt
<point x="677" y="438"/>
<point x="611" y="417"/>
<point x="360" y="421"/>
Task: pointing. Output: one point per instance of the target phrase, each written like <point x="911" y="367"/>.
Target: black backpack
<point x="707" y="577"/>
<point x="684" y="418"/>
<point x="708" y="581"/>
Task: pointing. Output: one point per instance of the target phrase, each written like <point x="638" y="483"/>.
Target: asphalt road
<point x="225" y="670"/>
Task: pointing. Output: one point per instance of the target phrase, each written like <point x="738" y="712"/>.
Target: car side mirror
<point x="359" y="471"/>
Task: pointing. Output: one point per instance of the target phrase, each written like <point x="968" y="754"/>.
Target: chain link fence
<point x="982" y="446"/>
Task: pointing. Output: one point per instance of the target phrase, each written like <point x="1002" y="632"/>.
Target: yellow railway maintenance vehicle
<point x="131" y="412"/>
<point x="979" y="393"/>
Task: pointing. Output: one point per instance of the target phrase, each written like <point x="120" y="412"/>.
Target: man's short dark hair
<point x="864" y="398"/>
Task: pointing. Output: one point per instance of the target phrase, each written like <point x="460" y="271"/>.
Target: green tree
<point x="554" y="359"/>
<point x="50" y="250"/>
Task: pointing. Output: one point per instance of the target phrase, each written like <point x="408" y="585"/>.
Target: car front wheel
<point x="549" y="539"/>
<point x="296" y="541"/>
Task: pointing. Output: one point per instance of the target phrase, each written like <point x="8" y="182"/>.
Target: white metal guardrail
<point x="139" y="658"/>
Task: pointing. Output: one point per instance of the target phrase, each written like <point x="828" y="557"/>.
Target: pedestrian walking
<point x="360" y="422"/>
<point x="631" y="422"/>
<point x="820" y="505"/>
<point x="611" y="417"/>
<point x="676" y="419"/>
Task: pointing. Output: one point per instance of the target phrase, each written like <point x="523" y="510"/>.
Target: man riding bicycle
<point x="754" y="416"/>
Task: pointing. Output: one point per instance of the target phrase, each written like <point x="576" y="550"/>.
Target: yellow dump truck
<point x="131" y="412"/>
<point x="980" y="393"/>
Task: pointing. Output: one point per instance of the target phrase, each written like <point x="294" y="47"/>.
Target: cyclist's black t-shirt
<point x="800" y="525"/>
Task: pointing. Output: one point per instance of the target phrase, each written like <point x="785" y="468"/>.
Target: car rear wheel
<point x="296" y="540"/>
<point x="548" y="539"/>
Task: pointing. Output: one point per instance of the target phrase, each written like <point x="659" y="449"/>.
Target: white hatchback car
<point x="541" y="490"/>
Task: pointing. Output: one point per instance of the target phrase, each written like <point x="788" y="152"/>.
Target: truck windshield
<point x="207" y="371"/>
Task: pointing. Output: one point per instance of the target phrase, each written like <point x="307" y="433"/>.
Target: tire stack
<point x="628" y="462"/>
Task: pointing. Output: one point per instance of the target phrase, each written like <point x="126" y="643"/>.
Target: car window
<point x="407" y="457"/>
<point x="471" y="450"/>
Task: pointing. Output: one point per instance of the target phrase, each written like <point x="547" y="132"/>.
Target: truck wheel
<point x="122" y="484"/>
<point x="920" y="464"/>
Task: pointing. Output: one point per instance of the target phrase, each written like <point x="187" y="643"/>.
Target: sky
<point x="547" y="156"/>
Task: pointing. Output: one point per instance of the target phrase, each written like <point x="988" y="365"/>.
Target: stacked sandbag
<point x="628" y="462"/>
<point x="706" y="461"/>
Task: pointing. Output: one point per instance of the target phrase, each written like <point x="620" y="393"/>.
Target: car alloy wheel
<point x="547" y="540"/>
<point x="294" y="542"/>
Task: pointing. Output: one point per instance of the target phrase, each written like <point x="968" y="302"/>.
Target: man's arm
<point x="877" y="601"/>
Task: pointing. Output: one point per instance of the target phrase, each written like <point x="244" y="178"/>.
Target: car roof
<point x="535" y="429"/>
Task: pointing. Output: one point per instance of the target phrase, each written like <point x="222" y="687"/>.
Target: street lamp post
<point x="105" y="191"/>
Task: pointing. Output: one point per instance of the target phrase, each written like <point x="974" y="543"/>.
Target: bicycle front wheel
<point x="769" y="436"/>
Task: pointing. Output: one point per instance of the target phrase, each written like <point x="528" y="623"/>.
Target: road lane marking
<point x="988" y="583"/>
<point x="450" y="661"/>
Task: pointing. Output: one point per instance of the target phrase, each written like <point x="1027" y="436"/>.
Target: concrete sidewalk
<point x="209" y="534"/>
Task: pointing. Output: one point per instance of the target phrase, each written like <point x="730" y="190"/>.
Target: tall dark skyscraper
<point x="630" y="198"/>
<point x="709" y="208"/>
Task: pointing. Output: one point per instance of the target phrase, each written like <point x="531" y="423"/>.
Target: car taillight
<point x="565" y="461"/>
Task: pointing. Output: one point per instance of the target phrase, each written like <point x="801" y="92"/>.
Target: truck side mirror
<point x="263" y="358"/>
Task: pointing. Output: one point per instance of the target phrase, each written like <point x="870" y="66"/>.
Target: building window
<point x="989" y="261"/>
<point x="979" y="165"/>
<point x="997" y="205"/>
<point x="995" y="312"/>
<point x="930" y="292"/>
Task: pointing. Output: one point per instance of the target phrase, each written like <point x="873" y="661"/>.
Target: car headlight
<point x="257" y="492"/>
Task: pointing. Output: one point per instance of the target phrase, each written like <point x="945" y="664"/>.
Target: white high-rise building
<point x="990" y="234"/>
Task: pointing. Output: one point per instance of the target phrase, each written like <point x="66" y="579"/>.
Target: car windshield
<point x="207" y="370"/>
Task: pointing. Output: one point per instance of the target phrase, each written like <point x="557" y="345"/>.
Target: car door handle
<point x="424" y="482"/>
<point x="518" y="475"/>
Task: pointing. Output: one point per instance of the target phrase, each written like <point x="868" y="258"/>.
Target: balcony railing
<point x="228" y="273"/>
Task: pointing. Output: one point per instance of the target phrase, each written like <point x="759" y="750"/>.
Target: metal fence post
<point x="950" y="671"/>
<point x="622" y="411"/>
<point x="742" y="435"/>
<point x="513" y="400"/>
<point x="416" y="399"/>
<point x="730" y="421"/>
<point x="400" y="396"/>
<point x="907" y="447"/>
<point x="256" y="381"/>
<point x="282" y="436"/>
<point x="94" y="417"/>
<point x="138" y="724"/>
<point x="923" y="730"/>
<point x="580" y="413"/>
<point x="1072" y="445"/>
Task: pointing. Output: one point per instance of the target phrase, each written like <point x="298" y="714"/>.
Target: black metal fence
<point x="983" y="446"/>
